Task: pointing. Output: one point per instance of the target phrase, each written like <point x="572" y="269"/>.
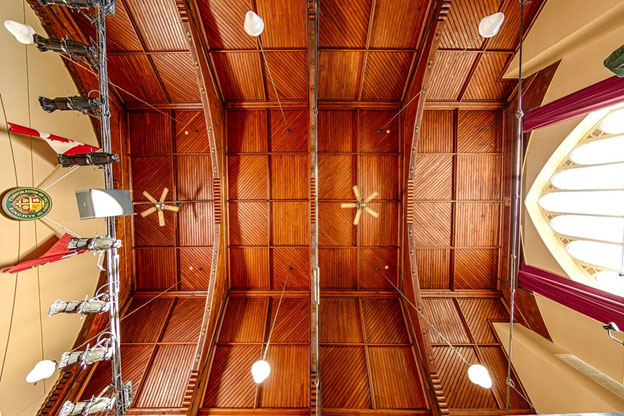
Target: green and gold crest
<point x="26" y="204"/>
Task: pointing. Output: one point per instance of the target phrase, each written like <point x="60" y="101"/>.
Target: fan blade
<point x="171" y="208"/>
<point x="358" y="214"/>
<point x="348" y="205"/>
<point x="164" y="195"/>
<point x="356" y="191"/>
<point x="372" y="196"/>
<point x="149" y="197"/>
<point x="161" y="218"/>
<point x="148" y="211"/>
<point x="371" y="212"/>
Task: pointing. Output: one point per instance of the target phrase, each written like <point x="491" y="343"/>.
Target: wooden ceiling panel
<point x="337" y="175"/>
<point x="477" y="312"/>
<point x="346" y="385"/>
<point x="432" y="224"/>
<point x="382" y="231"/>
<point x="191" y="133"/>
<point x="179" y="76"/>
<point x="455" y="68"/>
<point x="289" y="176"/>
<point x="223" y="22"/>
<point x="156" y="268"/>
<point x="454" y="378"/>
<point x="462" y="25"/>
<point x="444" y="315"/>
<point x="339" y="75"/>
<point x="288" y="385"/>
<point x="477" y="224"/>
<point x="509" y="35"/>
<point x="290" y="223"/>
<point x="249" y="223"/>
<point x="379" y="173"/>
<point x="372" y="141"/>
<point x="395" y="379"/>
<point x="385" y="75"/>
<point x="496" y="361"/>
<point x="341" y="321"/>
<point x="397" y="24"/>
<point x="437" y="132"/>
<point x="196" y="224"/>
<point x="248" y="177"/>
<point x="435" y="177"/>
<point x="245" y="321"/>
<point x="284" y="23"/>
<point x="247" y="131"/>
<point x="293" y="321"/>
<point x="476" y="268"/>
<point x="147" y="232"/>
<point x="338" y="268"/>
<point x="335" y="225"/>
<point x="152" y="174"/>
<point x="150" y="133"/>
<point x="337" y="131"/>
<point x="134" y="73"/>
<point x="120" y="33"/>
<point x="249" y="268"/>
<point x="383" y="321"/>
<point x="147" y="322"/>
<point x="194" y="178"/>
<point x="185" y="321"/>
<point x="230" y="384"/>
<point x="343" y="24"/>
<point x="159" y="24"/>
<point x="295" y="258"/>
<point x="433" y="268"/>
<point x="239" y="75"/>
<point x="485" y="83"/>
<point x="479" y="131"/>
<point x="283" y="140"/>
<point x="200" y="259"/>
<point x="373" y="258"/>
<point x="479" y="176"/>
<point x="290" y="74"/>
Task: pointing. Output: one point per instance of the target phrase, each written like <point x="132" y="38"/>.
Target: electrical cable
<point x="266" y="349"/>
<point x="273" y="83"/>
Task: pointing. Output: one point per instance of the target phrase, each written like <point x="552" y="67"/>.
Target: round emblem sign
<point x="26" y="204"/>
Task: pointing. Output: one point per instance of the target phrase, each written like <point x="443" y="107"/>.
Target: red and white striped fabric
<point x="60" y="145"/>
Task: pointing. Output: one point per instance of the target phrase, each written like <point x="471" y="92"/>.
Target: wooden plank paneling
<point x="403" y="16"/>
<point x="342" y="71"/>
<point x="485" y="83"/>
<point x="433" y="268"/>
<point x="338" y="268"/>
<point x="288" y="384"/>
<point x="289" y="137"/>
<point x="395" y="378"/>
<point x="337" y="131"/>
<point x="508" y="38"/>
<point x="159" y="24"/>
<point x="223" y="22"/>
<point x="150" y="132"/>
<point x="135" y="74"/>
<point x="200" y="260"/>
<point x="194" y="178"/>
<point x="191" y="134"/>
<point x="178" y="74"/>
<point x="336" y="176"/>
<point x="249" y="268"/>
<point x="249" y="223"/>
<point x="476" y="268"/>
<point x="285" y="23"/>
<point x="456" y="67"/>
<point x="240" y="75"/>
<point x="289" y="176"/>
<point x="343" y="25"/>
<point x="479" y="176"/>
<point x="146" y="323"/>
<point x="341" y="320"/>
<point x="432" y="224"/>
<point x="479" y="131"/>
<point x="437" y="132"/>
<point x="335" y="225"/>
<point x="147" y="232"/>
<point x="383" y="321"/>
<point x="293" y="320"/>
<point x="185" y="321"/>
<point x="382" y="231"/>
<point x="345" y="384"/>
<point x="230" y="384"/>
<point x="196" y="224"/>
<point x="372" y="259"/>
<point x="496" y="362"/>
<point x="156" y="268"/>
<point x="247" y="130"/>
<point x="385" y="75"/>
<point x="372" y="141"/>
<point x="289" y="72"/>
<point x="247" y="177"/>
<point x="477" y="312"/>
<point x="434" y="175"/>
<point x="461" y="28"/>
<point x="293" y="262"/>
<point x="444" y="315"/>
<point x="244" y="320"/>
<point x="289" y="223"/>
<point x="153" y="174"/>
<point x="477" y="224"/>
<point x="379" y="173"/>
<point x="120" y="33"/>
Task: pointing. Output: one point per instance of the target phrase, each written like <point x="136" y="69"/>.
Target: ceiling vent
<point x="594" y="374"/>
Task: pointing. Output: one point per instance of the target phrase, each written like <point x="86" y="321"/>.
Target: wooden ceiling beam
<point x="322" y="104"/>
<point x="465" y="105"/>
<point x="371" y="21"/>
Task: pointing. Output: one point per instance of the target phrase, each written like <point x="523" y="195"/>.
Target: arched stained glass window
<point x="583" y="201"/>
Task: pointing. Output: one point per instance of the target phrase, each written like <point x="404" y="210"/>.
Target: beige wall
<point x="26" y="73"/>
<point x="582" y="34"/>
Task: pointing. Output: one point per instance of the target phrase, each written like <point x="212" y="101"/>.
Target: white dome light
<point x="260" y="370"/>
<point x="614" y="122"/>
<point x="480" y="375"/>
<point x="490" y="25"/>
<point x="254" y="25"/>
<point x="42" y="370"/>
<point x="23" y="33"/>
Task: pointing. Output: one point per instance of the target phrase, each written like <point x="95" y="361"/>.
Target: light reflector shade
<point x="478" y="374"/>
<point x="23" y="33"/>
<point x="98" y="203"/>
<point x="260" y="370"/>
<point x="254" y="25"/>
<point x="490" y="25"/>
<point x="42" y="370"/>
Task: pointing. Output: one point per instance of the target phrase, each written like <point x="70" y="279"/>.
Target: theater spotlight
<point x="99" y="159"/>
<point x="68" y="47"/>
<point x="76" y="103"/>
<point x="96" y="243"/>
<point x="97" y="405"/>
<point x="97" y="304"/>
<point x="74" y="4"/>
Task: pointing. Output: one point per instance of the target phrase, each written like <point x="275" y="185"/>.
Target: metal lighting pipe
<point x="112" y="257"/>
<point x="514" y="212"/>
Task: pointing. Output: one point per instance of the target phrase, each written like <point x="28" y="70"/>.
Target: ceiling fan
<point x="159" y="206"/>
<point x="361" y="205"/>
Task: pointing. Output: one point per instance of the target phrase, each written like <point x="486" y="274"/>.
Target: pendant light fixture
<point x="490" y="25"/>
